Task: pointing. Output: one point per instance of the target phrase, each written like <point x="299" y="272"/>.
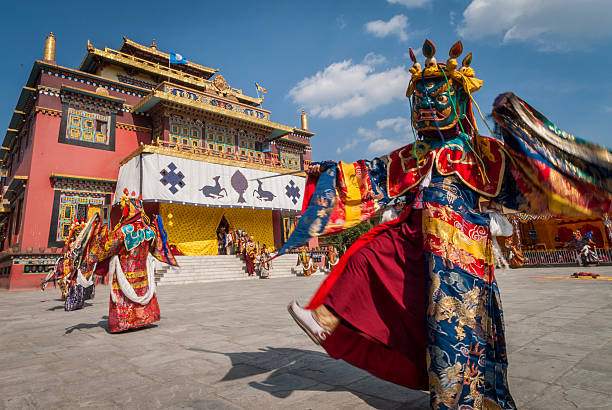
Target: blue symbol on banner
<point x="173" y="178"/>
<point x="293" y="192"/>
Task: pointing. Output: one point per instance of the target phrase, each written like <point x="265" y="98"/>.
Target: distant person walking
<point x="250" y="251"/>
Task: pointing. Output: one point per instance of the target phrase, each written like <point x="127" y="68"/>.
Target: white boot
<point x="303" y="317"/>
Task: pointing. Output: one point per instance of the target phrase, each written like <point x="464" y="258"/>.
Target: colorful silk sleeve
<point x="549" y="170"/>
<point x="344" y="195"/>
<point x="104" y="245"/>
<point x="160" y="249"/>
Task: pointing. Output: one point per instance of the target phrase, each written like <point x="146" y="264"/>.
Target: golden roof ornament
<point x="153" y="45"/>
<point x="304" y="119"/>
<point x="463" y="76"/>
<point x="49" y="53"/>
<point x="220" y="82"/>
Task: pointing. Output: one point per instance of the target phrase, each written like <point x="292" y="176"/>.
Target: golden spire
<point x="49" y="54"/>
<point x="304" y="121"/>
<point x="153" y="45"/>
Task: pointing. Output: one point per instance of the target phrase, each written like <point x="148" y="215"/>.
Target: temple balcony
<point x="271" y="162"/>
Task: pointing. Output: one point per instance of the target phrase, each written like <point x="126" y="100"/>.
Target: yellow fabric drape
<point x="193" y="229"/>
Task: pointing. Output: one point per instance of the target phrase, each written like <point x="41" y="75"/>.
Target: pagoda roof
<point x="156" y="64"/>
<point x="170" y="93"/>
<point x="153" y="54"/>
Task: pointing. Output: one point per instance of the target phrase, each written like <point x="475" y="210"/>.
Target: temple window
<point x="220" y="139"/>
<point x="185" y="133"/>
<point x="79" y="206"/>
<point x="88" y="127"/>
<point x="249" y="147"/>
<point x="290" y="160"/>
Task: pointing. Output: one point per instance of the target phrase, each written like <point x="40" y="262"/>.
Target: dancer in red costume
<point x="131" y="247"/>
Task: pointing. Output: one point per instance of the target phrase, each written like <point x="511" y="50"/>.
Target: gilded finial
<point x="49" y="53"/>
<point x="304" y="120"/>
<point x="153" y="45"/>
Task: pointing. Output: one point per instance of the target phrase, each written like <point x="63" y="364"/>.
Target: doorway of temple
<point x="222" y="231"/>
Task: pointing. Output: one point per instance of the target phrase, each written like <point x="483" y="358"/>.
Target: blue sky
<point x="345" y="62"/>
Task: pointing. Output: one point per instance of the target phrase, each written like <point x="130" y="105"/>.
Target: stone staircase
<point x="217" y="268"/>
<point x="202" y="268"/>
<point x="281" y="266"/>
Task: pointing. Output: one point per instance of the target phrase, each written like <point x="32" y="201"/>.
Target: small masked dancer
<point x="130" y="248"/>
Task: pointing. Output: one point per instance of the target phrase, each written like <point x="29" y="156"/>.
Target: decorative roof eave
<point x="92" y="94"/>
<point x="156" y="52"/>
<point x="18" y="116"/>
<point x="250" y="100"/>
<point x="122" y="59"/>
<point x="29" y="91"/>
<point x="54" y="176"/>
<point x="38" y="65"/>
<point x="15" y="186"/>
<point x="152" y="149"/>
<point x="126" y="60"/>
<point x="157" y="96"/>
<point x="78" y="183"/>
<point x="303" y="133"/>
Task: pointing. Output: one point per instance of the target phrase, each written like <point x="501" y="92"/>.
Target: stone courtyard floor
<point x="232" y="345"/>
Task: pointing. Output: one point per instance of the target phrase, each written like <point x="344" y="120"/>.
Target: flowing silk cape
<point x="538" y="169"/>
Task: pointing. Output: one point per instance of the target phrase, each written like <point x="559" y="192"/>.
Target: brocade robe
<point x="417" y="297"/>
<point x="132" y="246"/>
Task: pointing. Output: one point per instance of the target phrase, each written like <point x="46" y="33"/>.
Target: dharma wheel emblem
<point x="220" y="83"/>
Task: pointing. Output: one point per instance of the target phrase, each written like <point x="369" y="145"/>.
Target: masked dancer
<point x="415" y="301"/>
<point x="131" y="247"/>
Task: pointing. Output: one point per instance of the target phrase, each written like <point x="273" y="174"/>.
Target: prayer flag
<point x="260" y="88"/>
<point x="176" y="58"/>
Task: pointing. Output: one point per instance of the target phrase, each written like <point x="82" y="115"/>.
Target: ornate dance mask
<point x="441" y="92"/>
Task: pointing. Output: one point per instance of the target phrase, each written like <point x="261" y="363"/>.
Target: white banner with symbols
<point x="171" y="179"/>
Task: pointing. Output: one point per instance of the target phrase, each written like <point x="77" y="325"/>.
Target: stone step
<point x="181" y="282"/>
<point x="217" y="268"/>
<point x="209" y="266"/>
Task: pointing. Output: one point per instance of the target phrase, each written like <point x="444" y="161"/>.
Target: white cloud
<point x="396" y="26"/>
<point x="387" y="135"/>
<point x="385" y="145"/>
<point x="545" y="22"/>
<point x="399" y="124"/>
<point x="345" y="89"/>
<point x="410" y="3"/>
<point x="374" y="59"/>
<point x="347" y="146"/>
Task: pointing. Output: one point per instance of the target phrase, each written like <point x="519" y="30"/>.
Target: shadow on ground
<point x="307" y="364"/>
<point x="82" y="326"/>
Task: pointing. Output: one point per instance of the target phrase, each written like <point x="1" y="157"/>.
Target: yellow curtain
<point x="193" y="229"/>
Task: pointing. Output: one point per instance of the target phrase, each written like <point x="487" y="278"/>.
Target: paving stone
<point x="233" y="346"/>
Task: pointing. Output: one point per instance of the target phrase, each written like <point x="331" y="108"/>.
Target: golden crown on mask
<point x="450" y="70"/>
